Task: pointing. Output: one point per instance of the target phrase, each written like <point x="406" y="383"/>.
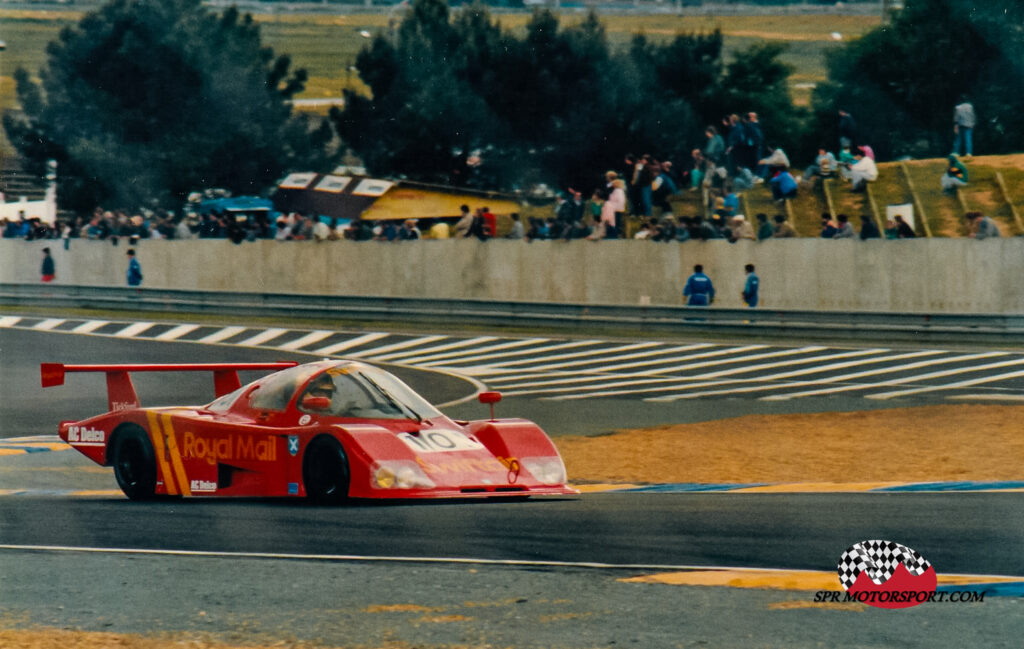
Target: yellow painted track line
<point x="23" y="447"/>
<point x="97" y="492"/>
<point x="817" y="487"/>
<point x="785" y="579"/>
<point x="777" y="579"/>
<point x="785" y="487"/>
<point x="161" y="453"/>
<point x="52" y="446"/>
<point x="598" y="488"/>
<point x="82" y="493"/>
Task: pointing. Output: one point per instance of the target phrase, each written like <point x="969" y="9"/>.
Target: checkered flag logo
<point x="879" y="559"/>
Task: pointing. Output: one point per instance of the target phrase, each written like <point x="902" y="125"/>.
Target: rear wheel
<point x="325" y="471"/>
<point x="135" y="463"/>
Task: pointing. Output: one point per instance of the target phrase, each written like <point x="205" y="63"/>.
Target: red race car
<point x="327" y="431"/>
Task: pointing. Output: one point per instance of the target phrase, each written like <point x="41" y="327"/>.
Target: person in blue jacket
<point x="49" y="269"/>
<point x="783" y="186"/>
<point x="751" y="287"/>
<point x="699" y="291"/>
<point x="134" y="273"/>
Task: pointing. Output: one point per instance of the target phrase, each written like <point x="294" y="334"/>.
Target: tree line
<point x="902" y="80"/>
<point x="556" y="105"/>
<point x="144" y="101"/>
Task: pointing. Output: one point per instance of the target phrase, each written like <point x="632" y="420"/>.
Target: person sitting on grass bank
<point x="828" y="226"/>
<point x="783" y="186"/>
<point x="844" y="230"/>
<point x="739" y="228"/>
<point x="764" y="228"/>
<point x="863" y="171"/>
<point x="783" y="229"/>
<point x="955" y="176"/>
<point x="777" y="160"/>
<point x="982" y="227"/>
<point x="845" y="161"/>
<point x="903" y="229"/>
<point x="824" y="166"/>
<point x="868" y="229"/>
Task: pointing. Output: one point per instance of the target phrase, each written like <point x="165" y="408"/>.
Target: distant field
<point x="327" y="45"/>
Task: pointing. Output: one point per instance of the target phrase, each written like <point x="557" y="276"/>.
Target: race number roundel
<point x="439" y="441"/>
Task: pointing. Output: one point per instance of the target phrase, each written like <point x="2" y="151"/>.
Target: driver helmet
<point x="321" y="386"/>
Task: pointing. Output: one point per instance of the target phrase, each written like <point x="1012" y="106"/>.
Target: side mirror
<point x="311" y="402"/>
<point x="490" y="398"/>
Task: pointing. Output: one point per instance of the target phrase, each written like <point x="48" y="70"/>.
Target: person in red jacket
<point x="490" y="222"/>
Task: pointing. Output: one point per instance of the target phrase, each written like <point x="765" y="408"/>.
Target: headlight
<point x="548" y="470"/>
<point x="399" y="474"/>
<point x="383" y="478"/>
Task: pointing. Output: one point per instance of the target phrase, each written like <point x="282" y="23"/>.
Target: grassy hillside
<point x="914" y="181"/>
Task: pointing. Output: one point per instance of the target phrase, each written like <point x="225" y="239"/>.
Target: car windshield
<point x="275" y="391"/>
<point x="365" y="392"/>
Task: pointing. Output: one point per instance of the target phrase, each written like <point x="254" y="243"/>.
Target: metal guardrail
<point x="920" y="327"/>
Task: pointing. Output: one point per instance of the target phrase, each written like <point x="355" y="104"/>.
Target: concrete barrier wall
<point x="942" y="275"/>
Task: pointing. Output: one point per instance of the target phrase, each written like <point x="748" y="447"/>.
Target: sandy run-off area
<point x="932" y="443"/>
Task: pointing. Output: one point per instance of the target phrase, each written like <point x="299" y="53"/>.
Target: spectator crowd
<point x="735" y="158"/>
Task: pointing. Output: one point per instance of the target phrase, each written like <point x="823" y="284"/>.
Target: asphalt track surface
<point x="567" y="385"/>
<point x="540" y="593"/>
<point x="802" y="531"/>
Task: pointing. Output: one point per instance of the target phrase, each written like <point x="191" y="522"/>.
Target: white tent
<point x="43" y="210"/>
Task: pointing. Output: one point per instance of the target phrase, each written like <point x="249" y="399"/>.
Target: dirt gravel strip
<point x="63" y="639"/>
<point x="923" y="444"/>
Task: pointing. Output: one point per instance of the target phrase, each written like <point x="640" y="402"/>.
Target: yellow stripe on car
<point x="161" y="454"/>
<point x="179" y="467"/>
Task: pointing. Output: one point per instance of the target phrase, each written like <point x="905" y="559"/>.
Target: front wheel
<point x="135" y="464"/>
<point x="325" y="471"/>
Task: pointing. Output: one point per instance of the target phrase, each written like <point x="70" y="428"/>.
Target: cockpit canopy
<point x="338" y="389"/>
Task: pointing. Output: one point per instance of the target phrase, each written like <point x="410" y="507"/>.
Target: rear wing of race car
<point x="121" y="393"/>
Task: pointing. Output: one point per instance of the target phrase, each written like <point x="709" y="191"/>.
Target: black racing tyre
<point x="134" y="463"/>
<point x="325" y="471"/>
